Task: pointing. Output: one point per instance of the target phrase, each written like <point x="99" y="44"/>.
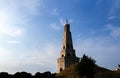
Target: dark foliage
<point x="22" y="75"/>
<point x="4" y="75"/>
<point x="27" y="75"/>
<point x="86" y="66"/>
<point x="119" y="65"/>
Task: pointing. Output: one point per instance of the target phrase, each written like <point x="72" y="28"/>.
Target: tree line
<point x="27" y="75"/>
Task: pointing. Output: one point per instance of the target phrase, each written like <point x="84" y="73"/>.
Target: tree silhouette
<point x="22" y="75"/>
<point x="46" y="74"/>
<point x="4" y="75"/>
<point x="86" y="66"/>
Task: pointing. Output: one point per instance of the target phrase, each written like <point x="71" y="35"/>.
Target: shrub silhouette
<point x="119" y="65"/>
<point x="4" y="75"/>
<point x="40" y="75"/>
<point x="86" y="66"/>
<point x="44" y="75"/>
<point x="27" y="75"/>
<point x="22" y="75"/>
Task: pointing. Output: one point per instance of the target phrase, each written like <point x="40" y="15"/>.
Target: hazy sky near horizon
<point x="31" y="32"/>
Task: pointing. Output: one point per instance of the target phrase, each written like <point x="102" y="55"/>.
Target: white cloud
<point x="13" y="42"/>
<point x="55" y="26"/>
<point x="114" y="31"/>
<point x="70" y="20"/>
<point x="55" y="11"/>
<point x="5" y="56"/>
<point x="6" y="25"/>
<point x="114" y="11"/>
<point x="14" y="15"/>
<point x="29" y="6"/>
<point x="62" y="21"/>
<point x="102" y="49"/>
<point x="44" y="58"/>
<point x="32" y="5"/>
<point x="11" y="31"/>
<point x="47" y="57"/>
<point x="112" y="17"/>
<point x="116" y="6"/>
<point x="46" y="54"/>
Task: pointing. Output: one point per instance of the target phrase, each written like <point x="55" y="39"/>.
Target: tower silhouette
<point x="67" y="55"/>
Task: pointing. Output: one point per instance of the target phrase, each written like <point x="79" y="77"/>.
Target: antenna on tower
<point x="66" y="21"/>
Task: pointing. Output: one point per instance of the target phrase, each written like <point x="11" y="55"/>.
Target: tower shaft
<point x="67" y="54"/>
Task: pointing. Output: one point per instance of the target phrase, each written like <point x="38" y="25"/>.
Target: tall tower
<point x="67" y="55"/>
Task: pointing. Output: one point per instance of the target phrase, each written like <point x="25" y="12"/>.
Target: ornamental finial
<point x="66" y="21"/>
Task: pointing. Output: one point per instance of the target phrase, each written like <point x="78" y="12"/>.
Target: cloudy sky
<point x="31" y="32"/>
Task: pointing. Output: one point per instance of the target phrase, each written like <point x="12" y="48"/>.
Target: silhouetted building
<point x="67" y="55"/>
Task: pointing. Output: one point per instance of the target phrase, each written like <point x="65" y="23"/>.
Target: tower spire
<point x="67" y="54"/>
<point x="66" y="26"/>
<point x="66" y="21"/>
<point x="67" y="37"/>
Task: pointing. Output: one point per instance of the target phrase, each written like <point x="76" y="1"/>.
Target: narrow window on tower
<point x="60" y="69"/>
<point x="62" y="55"/>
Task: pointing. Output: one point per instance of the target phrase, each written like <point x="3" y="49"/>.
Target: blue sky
<point x="31" y="32"/>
